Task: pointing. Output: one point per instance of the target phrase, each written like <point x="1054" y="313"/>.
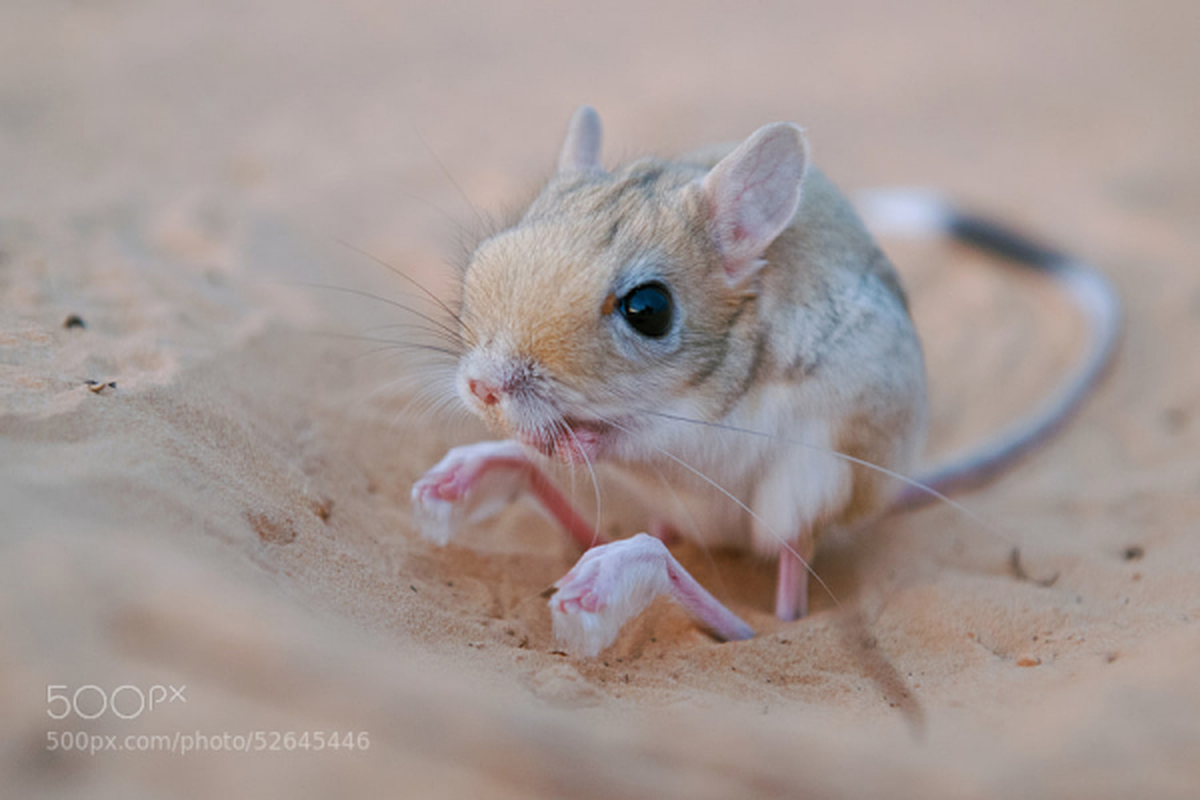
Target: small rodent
<point x="724" y="320"/>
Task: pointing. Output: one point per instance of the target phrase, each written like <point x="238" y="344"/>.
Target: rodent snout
<point x="486" y="392"/>
<point x="498" y="388"/>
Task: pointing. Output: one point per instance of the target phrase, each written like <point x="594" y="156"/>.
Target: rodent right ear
<point x="581" y="150"/>
<point x="752" y="195"/>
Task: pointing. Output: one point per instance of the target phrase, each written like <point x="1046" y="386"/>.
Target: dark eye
<point x="648" y="309"/>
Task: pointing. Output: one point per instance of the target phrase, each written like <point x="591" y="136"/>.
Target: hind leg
<point x="806" y="486"/>
<point x="615" y="582"/>
<point x="473" y="482"/>
<point x="791" y="588"/>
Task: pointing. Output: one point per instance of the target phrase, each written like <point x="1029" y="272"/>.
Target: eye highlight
<point x="648" y="309"/>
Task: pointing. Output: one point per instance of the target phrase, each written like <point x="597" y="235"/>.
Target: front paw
<point x="469" y="484"/>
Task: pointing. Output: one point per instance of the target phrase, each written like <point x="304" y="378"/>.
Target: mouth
<point x="575" y="441"/>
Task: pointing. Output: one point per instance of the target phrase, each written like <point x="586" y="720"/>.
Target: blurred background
<point x="393" y="125"/>
<point x="1055" y="113"/>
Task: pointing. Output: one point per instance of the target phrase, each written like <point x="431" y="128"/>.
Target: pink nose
<point x="488" y="394"/>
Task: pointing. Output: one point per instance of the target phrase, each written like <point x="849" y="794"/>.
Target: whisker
<point x="424" y="401"/>
<point x="916" y="484"/>
<point x="479" y="220"/>
<point x="428" y="385"/>
<point x="682" y="506"/>
<point x="401" y="347"/>
<point x="406" y="277"/>
<point x="395" y="304"/>
<point x="592" y="473"/>
<point x="415" y="326"/>
<point x="391" y="344"/>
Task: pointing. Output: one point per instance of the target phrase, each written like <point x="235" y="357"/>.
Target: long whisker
<point x="425" y="393"/>
<point x="479" y="220"/>
<point x="426" y="386"/>
<point x="808" y="567"/>
<point x="391" y="344"/>
<point x="406" y="277"/>
<point x="414" y="326"/>
<point x="704" y="548"/>
<point x="682" y="506"/>
<point x="434" y="405"/>
<point x="402" y="346"/>
<point x="395" y="304"/>
<point x="591" y="472"/>
<point x="916" y="484"/>
<point x="417" y="327"/>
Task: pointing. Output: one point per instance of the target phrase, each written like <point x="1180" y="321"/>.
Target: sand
<point x="232" y="518"/>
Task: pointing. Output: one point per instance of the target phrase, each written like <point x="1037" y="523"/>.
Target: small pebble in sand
<point x="96" y="387"/>
<point x="1028" y="660"/>
<point x="1018" y="570"/>
<point x="74" y="321"/>
<point x="272" y="530"/>
<point x="322" y="507"/>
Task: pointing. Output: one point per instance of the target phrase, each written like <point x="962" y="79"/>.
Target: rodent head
<point x="622" y="291"/>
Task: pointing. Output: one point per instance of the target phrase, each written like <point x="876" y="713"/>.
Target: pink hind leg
<point x="615" y="582"/>
<point x="475" y="481"/>
<point x="791" y="589"/>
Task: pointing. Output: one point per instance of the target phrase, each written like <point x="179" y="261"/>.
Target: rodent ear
<point x="752" y="195"/>
<point x="581" y="150"/>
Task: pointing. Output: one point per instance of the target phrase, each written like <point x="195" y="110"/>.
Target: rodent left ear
<point x="752" y="195"/>
<point x="581" y="150"/>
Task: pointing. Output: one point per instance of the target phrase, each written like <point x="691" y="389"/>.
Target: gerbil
<point x="725" y="320"/>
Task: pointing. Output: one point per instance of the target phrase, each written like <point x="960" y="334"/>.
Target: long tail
<point x="920" y="213"/>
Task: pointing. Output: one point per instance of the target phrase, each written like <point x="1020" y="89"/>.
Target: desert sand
<point x="231" y="519"/>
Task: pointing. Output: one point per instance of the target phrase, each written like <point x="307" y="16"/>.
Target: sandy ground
<point x="232" y="518"/>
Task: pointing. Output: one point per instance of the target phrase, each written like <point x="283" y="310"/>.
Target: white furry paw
<point x="609" y="585"/>
<point x="471" y="483"/>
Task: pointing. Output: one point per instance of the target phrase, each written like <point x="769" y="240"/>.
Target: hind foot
<point x="615" y="582"/>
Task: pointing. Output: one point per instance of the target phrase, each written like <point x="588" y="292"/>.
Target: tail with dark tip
<point x="919" y="213"/>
